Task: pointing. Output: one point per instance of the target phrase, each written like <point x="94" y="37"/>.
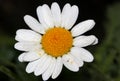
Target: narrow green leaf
<point x="8" y="72"/>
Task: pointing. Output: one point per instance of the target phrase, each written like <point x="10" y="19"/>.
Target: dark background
<point x="106" y="13"/>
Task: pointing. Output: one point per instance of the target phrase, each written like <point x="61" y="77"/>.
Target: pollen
<point x="57" y="41"/>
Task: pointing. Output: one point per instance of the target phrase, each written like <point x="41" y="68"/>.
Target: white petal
<point x="32" y="65"/>
<point x="83" y="41"/>
<point x="78" y="61"/>
<point x="58" y="68"/>
<point x="45" y="16"/>
<point x="82" y="27"/>
<point x="40" y="17"/>
<point x="27" y="35"/>
<point x="46" y="75"/>
<point x="70" y="63"/>
<point x="41" y="62"/>
<point x="65" y="14"/>
<point x="71" y="17"/>
<point x="27" y="46"/>
<point x="56" y="12"/>
<point x="32" y="55"/>
<point x="82" y="54"/>
<point x="20" y="57"/>
<point x="34" y="24"/>
<point x="44" y="64"/>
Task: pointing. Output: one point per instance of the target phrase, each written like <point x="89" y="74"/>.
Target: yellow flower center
<point x="57" y="41"/>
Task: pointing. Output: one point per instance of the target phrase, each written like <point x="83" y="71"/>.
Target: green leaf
<point x="108" y="52"/>
<point x="8" y="72"/>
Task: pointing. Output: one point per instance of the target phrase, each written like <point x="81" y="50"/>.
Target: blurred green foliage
<point x="106" y="66"/>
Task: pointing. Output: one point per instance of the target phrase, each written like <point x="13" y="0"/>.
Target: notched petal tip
<point x="75" y="6"/>
<point x="67" y="4"/>
<point x="54" y="3"/>
<point x="95" y="40"/>
<point x="38" y="8"/>
<point x="20" y="30"/>
<point x="16" y="46"/>
<point x="36" y="74"/>
<point x="20" y="57"/>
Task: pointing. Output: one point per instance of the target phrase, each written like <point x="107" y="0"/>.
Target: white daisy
<point x="54" y="41"/>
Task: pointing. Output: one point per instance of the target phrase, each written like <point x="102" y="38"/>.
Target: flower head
<point x="54" y="41"/>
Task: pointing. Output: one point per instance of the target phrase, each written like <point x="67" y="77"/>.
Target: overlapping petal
<point x="83" y="41"/>
<point x="56" y="13"/>
<point x="32" y="66"/>
<point x="34" y="24"/>
<point x="70" y="63"/>
<point x="82" y="54"/>
<point x="46" y="75"/>
<point x="45" y="16"/>
<point x="70" y="17"/>
<point x="27" y="46"/>
<point x="58" y="68"/>
<point x="43" y="65"/>
<point x="27" y="36"/>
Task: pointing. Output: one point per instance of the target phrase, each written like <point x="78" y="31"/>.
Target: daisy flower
<point x="53" y="41"/>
